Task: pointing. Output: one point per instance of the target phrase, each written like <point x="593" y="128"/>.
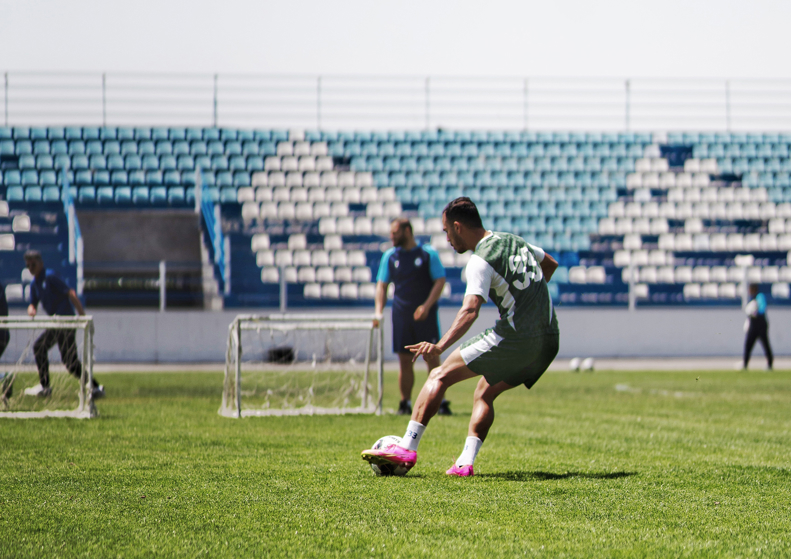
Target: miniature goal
<point x="69" y="396"/>
<point x="303" y="364"/>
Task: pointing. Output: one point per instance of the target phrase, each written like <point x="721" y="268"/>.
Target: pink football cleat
<point x="393" y="455"/>
<point x="461" y="471"/>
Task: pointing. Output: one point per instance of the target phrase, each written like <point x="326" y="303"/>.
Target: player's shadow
<point x="549" y="476"/>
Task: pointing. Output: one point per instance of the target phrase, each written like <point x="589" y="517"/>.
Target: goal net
<point x="292" y="364"/>
<point x="31" y="340"/>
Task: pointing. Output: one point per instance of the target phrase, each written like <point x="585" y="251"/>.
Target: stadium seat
<point x="123" y="195"/>
<point x="140" y="195"/>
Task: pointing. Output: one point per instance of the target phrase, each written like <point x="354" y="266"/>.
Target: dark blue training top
<point x="413" y="272"/>
<point x="53" y="294"/>
<point x="3" y="302"/>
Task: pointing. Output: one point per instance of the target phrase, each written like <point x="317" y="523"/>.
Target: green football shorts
<point x="514" y="361"/>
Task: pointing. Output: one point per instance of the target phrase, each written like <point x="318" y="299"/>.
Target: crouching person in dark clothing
<point x="58" y="300"/>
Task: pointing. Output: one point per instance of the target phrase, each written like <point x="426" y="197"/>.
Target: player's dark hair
<point x="464" y="211"/>
<point x="754" y="287"/>
<point x="402" y="223"/>
<point x="33" y="255"/>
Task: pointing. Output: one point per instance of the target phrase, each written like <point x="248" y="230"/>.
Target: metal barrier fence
<point x="408" y="102"/>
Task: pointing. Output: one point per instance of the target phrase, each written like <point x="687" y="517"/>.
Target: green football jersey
<point x="506" y="269"/>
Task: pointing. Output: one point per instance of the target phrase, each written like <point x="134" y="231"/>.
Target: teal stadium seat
<point x="171" y="178"/>
<point x="23" y="147"/>
<point x="89" y="133"/>
<point x="124" y="133"/>
<point x="123" y="195"/>
<point x="140" y="196"/>
<point x="159" y="196"/>
<point x="175" y="134"/>
<point x="104" y="195"/>
<point x="164" y="148"/>
<point x="47" y="178"/>
<point x="29" y="178"/>
<point x="33" y="194"/>
<point x="154" y="177"/>
<point x="15" y="194"/>
<point x="119" y="178"/>
<point x="98" y="162"/>
<point x="86" y="195"/>
<point x="137" y="178"/>
<point x="146" y="148"/>
<point x="21" y="133"/>
<point x="50" y="194"/>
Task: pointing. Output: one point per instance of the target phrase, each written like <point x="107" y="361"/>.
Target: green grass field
<point x="584" y="465"/>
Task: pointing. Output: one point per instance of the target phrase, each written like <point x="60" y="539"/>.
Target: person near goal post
<point x="58" y="300"/>
<point x="517" y="350"/>
<point x="5" y="377"/>
<point x="418" y="277"/>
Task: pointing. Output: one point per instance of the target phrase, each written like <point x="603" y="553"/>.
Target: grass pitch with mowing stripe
<point x="602" y="465"/>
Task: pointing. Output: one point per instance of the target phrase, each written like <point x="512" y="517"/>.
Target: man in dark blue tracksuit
<point x="59" y="300"/>
<point x="418" y="276"/>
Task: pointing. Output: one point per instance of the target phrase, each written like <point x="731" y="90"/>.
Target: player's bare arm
<point x="421" y="313"/>
<point x="75" y="301"/>
<point x="379" y="301"/>
<point x="464" y="319"/>
<point x="31" y="310"/>
<point x="548" y="266"/>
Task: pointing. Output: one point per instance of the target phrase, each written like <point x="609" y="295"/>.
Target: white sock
<point x="471" y="447"/>
<point x="412" y="436"/>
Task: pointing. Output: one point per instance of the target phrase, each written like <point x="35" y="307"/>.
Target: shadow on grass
<point x="544" y="476"/>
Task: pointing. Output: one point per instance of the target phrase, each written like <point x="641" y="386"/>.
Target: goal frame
<point x="285" y="322"/>
<point x="86" y="408"/>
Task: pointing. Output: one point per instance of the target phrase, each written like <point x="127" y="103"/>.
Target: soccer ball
<point x="388" y="469"/>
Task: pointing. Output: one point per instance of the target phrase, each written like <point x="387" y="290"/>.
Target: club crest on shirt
<point x="418" y="262"/>
<point x="396" y="263"/>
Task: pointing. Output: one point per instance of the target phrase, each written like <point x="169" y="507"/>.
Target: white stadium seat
<point x="270" y="275"/>
<point x="718" y="274"/>
<point x="665" y="274"/>
<point x="325" y="274"/>
<point x="312" y="291"/>
<point x="260" y="179"/>
<point x="265" y="258"/>
<point x="710" y="291"/>
<point x="264" y="194"/>
<point x="301" y="148"/>
<point x="363" y="226"/>
<point x="304" y="211"/>
<point x="343" y="274"/>
<point x="288" y="164"/>
<point x="318" y="148"/>
<point x="283" y="257"/>
<point x="727" y="291"/>
<point x="330" y="291"/>
<point x="259" y="241"/>
<point x="781" y="291"/>
<point x="285" y="148"/>
<point x="683" y="274"/>
<point x="297" y="241"/>
<point x="345" y="226"/>
<point x="320" y="258"/>
<point x="700" y="274"/>
<point x="367" y="291"/>
<point x="361" y="274"/>
<point x="329" y="178"/>
<point x="349" y="291"/>
<point x="339" y="258"/>
<point x="250" y="211"/>
<point x="302" y="258"/>
<point x="356" y="258"/>
<point x="691" y="291"/>
<point x="351" y="195"/>
<point x="333" y="242"/>
<point x="245" y="194"/>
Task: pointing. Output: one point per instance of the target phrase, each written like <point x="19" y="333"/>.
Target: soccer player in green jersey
<point x="517" y="350"/>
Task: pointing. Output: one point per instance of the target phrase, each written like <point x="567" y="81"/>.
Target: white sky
<point x="608" y="38"/>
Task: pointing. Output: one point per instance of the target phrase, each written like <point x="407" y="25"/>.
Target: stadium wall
<point x="195" y="336"/>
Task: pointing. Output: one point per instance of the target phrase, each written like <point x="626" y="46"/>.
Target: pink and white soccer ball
<point x="387" y="469"/>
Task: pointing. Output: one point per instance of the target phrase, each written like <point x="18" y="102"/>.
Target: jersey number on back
<point x="524" y="264"/>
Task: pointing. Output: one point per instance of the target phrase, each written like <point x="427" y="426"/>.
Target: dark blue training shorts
<point x="408" y="332"/>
